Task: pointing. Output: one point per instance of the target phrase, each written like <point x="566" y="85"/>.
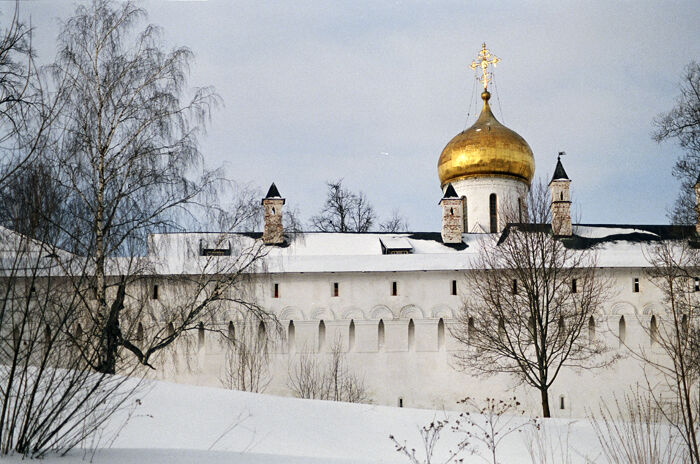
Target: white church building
<point x="390" y="299"/>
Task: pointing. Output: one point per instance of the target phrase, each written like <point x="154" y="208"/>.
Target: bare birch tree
<point x="129" y="160"/>
<point x="50" y="398"/>
<point x="531" y="299"/>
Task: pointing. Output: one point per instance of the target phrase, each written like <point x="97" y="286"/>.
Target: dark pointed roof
<point x="450" y="192"/>
<point x="559" y="172"/>
<point x="273" y="192"/>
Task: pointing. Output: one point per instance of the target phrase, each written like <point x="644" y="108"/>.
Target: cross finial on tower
<point x="482" y="61"/>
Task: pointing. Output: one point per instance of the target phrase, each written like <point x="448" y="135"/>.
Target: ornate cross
<point x="482" y="61"/>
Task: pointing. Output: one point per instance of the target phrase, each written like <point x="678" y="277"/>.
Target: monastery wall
<point x="414" y="366"/>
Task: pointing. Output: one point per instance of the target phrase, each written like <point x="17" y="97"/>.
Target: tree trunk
<point x="545" y="402"/>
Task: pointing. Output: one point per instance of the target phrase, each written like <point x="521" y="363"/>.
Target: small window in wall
<point x="515" y="287"/>
<point x="394" y="288"/>
<point x="493" y="212"/>
<point x="454" y="287"/>
<point x="635" y="288"/>
<point x="336" y="289"/>
<point x="380" y="335"/>
<point x="574" y="287"/>
<point x="562" y="402"/>
<point x="154" y="294"/>
<point x="351" y="336"/>
<point x="276" y="290"/>
<point x="321" y="336"/>
<point x="697" y="284"/>
<point x="411" y="336"/>
<point x="470" y="328"/>
<point x="591" y="329"/>
<point x="441" y="335"/>
<point x="139" y="332"/>
<point x="400" y="402"/>
<point x="520" y="209"/>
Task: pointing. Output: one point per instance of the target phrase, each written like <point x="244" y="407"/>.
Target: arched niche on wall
<point x="381" y="312"/>
<point x="441" y="334"/>
<point x="381" y="337"/>
<point x="291" y="338"/>
<point x="351" y="336"/>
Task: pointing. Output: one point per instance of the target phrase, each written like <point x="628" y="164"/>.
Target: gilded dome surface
<point x="487" y="148"/>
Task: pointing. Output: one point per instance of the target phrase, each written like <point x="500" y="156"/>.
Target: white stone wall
<point x="423" y="374"/>
<point x="478" y="191"/>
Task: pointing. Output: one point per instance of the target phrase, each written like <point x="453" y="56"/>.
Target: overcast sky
<point x="373" y="91"/>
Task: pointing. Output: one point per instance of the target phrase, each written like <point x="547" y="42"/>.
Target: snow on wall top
<point x="311" y="252"/>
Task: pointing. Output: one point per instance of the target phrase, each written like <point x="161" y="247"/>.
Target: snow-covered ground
<point x="184" y="424"/>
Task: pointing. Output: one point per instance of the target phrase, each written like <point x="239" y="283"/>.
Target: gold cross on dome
<point x="482" y="61"/>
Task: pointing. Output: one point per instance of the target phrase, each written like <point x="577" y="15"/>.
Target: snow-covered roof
<point x="618" y="245"/>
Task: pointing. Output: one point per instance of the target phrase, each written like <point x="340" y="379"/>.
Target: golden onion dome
<point x="488" y="148"/>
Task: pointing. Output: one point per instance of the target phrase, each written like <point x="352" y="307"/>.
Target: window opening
<point x="493" y="212"/>
<point x="465" y="223"/>
<point x="400" y="402"/>
<point x="697" y="284"/>
<point x="411" y="336"/>
<point x="154" y="296"/>
<point x="231" y="331"/>
<point x="561" y="402"/>
<point x="515" y="286"/>
<point x="454" y="287"/>
<point x="276" y="291"/>
<point x="574" y="288"/>
<point x="336" y="290"/>
<point x="636" y="285"/>
<point x="394" y="289"/>
<point x="520" y="209"/>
